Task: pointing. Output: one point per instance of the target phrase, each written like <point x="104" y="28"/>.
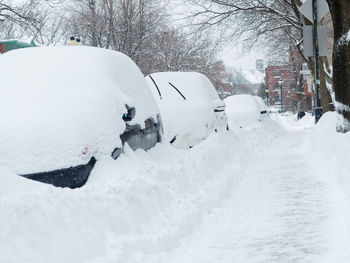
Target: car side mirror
<point x="131" y="111"/>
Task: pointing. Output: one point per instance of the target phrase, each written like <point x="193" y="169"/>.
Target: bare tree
<point x="122" y="25"/>
<point x="178" y="51"/>
<point x="275" y="25"/>
<point x="32" y="19"/>
<point x="25" y="13"/>
<point x="140" y="29"/>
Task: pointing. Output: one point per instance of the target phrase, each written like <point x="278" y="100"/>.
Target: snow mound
<point x="55" y="101"/>
<point x="141" y="204"/>
<point x="221" y="200"/>
<point x="327" y="122"/>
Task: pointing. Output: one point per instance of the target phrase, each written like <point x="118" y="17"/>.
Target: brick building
<point x="273" y="74"/>
<point x="306" y="89"/>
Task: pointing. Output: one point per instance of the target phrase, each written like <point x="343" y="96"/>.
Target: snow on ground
<point x="277" y="192"/>
<point x="285" y="209"/>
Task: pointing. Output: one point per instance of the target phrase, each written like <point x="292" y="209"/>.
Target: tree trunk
<point x="326" y="100"/>
<point x="340" y="10"/>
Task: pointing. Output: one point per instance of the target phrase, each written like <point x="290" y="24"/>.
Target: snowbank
<point x="330" y="160"/>
<point x="145" y="207"/>
<point x="140" y="205"/>
<point x="55" y="101"/>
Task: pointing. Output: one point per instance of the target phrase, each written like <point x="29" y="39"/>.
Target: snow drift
<point x="155" y="207"/>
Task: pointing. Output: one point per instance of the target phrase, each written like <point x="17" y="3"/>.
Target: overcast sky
<point x="233" y="57"/>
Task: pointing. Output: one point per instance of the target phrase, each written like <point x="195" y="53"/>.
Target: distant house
<point x="274" y="74"/>
<point x="11" y="44"/>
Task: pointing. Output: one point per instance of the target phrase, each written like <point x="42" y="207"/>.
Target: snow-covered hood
<point x="61" y="105"/>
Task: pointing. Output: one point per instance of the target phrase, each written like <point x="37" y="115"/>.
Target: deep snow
<point x="275" y="192"/>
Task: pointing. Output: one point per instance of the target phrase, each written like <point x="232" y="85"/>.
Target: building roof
<point x="15" y="43"/>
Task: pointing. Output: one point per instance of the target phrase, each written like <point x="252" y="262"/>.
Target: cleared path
<point x="282" y="211"/>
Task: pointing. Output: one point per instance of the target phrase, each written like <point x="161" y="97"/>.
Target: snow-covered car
<point x="190" y="106"/>
<point x="64" y="108"/>
<point x="243" y="110"/>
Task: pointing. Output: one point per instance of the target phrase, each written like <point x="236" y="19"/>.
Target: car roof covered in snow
<point x="55" y="101"/>
<point x="191" y="84"/>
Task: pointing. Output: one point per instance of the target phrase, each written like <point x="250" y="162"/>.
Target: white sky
<point x="233" y="57"/>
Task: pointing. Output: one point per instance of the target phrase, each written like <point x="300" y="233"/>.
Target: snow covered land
<point x="276" y="191"/>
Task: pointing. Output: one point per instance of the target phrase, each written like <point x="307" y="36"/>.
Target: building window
<point x="276" y="73"/>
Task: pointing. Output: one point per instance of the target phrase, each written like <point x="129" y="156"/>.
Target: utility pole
<point x="281" y="99"/>
<point x="315" y="42"/>
<point x="280" y="83"/>
<point x="318" y="109"/>
<point x="267" y="96"/>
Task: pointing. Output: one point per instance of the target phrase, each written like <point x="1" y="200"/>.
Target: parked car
<point x="64" y="108"/>
<point x="243" y="110"/>
<point x="190" y="106"/>
<point x="262" y="105"/>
